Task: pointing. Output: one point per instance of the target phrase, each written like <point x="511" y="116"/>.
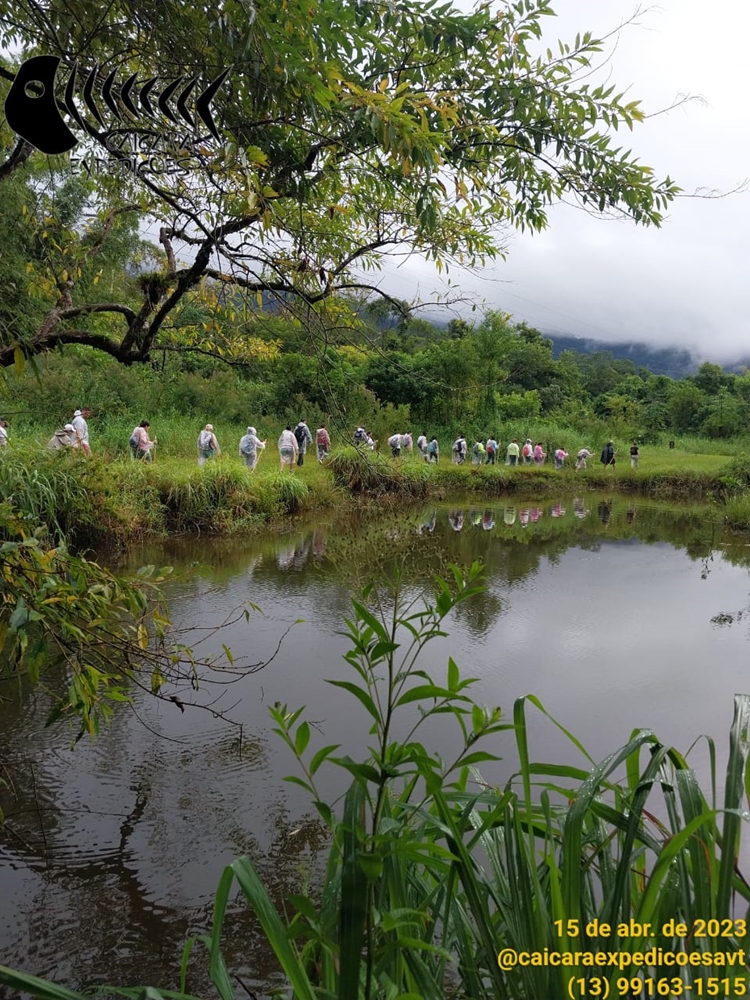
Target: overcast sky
<point x="684" y="284"/>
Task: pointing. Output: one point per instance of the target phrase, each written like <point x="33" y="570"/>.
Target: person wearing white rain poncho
<point x="208" y="446"/>
<point x="249" y="445"/>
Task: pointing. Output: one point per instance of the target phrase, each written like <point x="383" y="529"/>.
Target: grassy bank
<point x="99" y="501"/>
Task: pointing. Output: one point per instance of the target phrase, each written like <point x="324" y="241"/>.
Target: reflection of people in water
<point x="456" y="518"/>
<point x="509" y="515"/>
<point x="630" y="514"/>
<point x="476" y="518"/>
<point x="429" y="524"/>
<point x="605" y="511"/>
<point x="558" y="510"/>
<point x="535" y="513"/>
<point x="302" y="553"/>
<point x="285" y="556"/>
<point x="523" y="516"/>
<point x="319" y="543"/>
<point x="579" y="508"/>
<point x="488" y="520"/>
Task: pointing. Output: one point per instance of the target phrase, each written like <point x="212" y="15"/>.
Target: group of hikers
<point x="294" y="443"/>
<point x="488" y="453"/>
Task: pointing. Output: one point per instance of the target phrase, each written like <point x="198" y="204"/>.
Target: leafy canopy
<point x="349" y="131"/>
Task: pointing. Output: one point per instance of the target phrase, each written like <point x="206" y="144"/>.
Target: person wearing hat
<point x="249" y="445"/>
<point x="208" y="446"/>
<point x="81" y="427"/>
<point x="67" y="437"/>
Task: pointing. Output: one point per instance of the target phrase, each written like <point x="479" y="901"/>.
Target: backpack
<point x="360" y="436"/>
<point x="432" y="447"/>
<point x="134" y="441"/>
<point x="299" y="433"/>
<point x="204" y="441"/>
<point x="527" y="451"/>
<point x="321" y="436"/>
<point x="490" y="447"/>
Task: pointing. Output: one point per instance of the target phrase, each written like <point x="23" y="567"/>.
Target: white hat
<point x="77" y="413"/>
<point x="69" y="427"/>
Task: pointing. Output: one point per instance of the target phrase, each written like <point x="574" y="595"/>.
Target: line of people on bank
<point x="292" y="445"/>
<point x="488" y="452"/>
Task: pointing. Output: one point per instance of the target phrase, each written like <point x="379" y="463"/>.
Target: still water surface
<point x="617" y="615"/>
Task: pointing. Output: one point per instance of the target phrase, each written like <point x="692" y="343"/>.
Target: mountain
<point x="676" y="362"/>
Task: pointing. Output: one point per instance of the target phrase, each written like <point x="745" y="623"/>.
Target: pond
<point x="616" y="614"/>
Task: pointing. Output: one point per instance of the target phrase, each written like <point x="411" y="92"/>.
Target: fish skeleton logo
<point x="33" y="108"/>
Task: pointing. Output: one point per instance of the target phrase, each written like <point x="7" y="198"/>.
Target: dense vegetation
<point x="389" y="372"/>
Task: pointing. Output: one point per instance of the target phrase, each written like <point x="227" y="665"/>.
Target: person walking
<point x="394" y="443"/>
<point x="581" y="457"/>
<point x="635" y="455"/>
<point x="608" y="455"/>
<point x="249" y="445"/>
<point x="528" y="452"/>
<point x="322" y="443"/>
<point x="304" y="438"/>
<point x="80" y="422"/>
<point x="288" y="448"/>
<point x="67" y="437"/>
<point x="539" y="454"/>
<point x="560" y="456"/>
<point x="208" y="446"/>
<point x="512" y="453"/>
<point x="140" y="443"/>
<point x="433" y="450"/>
<point x="490" y="450"/>
<point x="477" y="453"/>
<point x="459" y="450"/>
<point x="422" y="444"/>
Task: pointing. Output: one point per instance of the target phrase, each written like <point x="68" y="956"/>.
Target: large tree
<point x="346" y="132"/>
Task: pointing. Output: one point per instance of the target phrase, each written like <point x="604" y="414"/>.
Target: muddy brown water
<point x="618" y="615"/>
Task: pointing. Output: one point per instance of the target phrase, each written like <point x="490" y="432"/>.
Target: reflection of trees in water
<point x="352" y="550"/>
<point x="121" y="876"/>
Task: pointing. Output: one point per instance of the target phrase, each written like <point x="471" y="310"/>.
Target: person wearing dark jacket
<point x="608" y="454"/>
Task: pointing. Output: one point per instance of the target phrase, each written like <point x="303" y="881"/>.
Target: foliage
<point x="107" y="634"/>
<point x="433" y="871"/>
<point x="347" y="133"/>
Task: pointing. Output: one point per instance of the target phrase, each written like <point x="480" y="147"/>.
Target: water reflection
<point x="112" y="852"/>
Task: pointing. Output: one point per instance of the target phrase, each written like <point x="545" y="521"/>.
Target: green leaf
<point x="361" y="695"/>
<point x="321" y="755"/>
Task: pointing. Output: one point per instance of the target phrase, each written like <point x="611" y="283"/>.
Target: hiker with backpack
<point x="288" y="448"/>
<point x="322" y="442"/>
<point x="208" y="446"/>
<point x="304" y="438"/>
<point x="140" y="443"/>
<point x="249" y="445"/>
<point x="459" y="450"/>
<point x="433" y="450"/>
<point x="422" y="445"/>
<point x="360" y="436"/>
<point x="560" y="456"/>
<point x="491" y="451"/>
<point x="608" y="455"/>
<point x="477" y="453"/>
<point x="528" y="452"/>
<point x="394" y="443"/>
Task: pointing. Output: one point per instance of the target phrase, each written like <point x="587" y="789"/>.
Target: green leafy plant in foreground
<point x="432" y="872"/>
<point x="65" y="615"/>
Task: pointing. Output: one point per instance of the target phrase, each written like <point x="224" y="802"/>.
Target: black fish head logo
<point x="31" y="107"/>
